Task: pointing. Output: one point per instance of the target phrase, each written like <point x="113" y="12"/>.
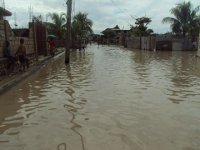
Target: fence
<point x="133" y="42"/>
<point x="144" y="43"/>
<point x="161" y="43"/>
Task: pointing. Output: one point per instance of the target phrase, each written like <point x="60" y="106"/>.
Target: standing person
<point x="21" y="54"/>
<point x="7" y="54"/>
<point x="194" y="43"/>
<point x="52" y="47"/>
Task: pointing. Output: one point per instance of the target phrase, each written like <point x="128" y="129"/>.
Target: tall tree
<point x="81" y="26"/>
<point x="116" y="27"/>
<point x="141" y="28"/>
<point x="57" y="26"/>
<point x="186" y="19"/>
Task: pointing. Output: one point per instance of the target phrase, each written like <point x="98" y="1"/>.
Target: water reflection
<point x="107" y="98"/>
<point x="176" y="72"/>
<point x="78" y="72"/>
<point x="23" y="106"/>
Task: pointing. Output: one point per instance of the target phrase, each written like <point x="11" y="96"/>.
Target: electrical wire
<point x="121" y="10"/>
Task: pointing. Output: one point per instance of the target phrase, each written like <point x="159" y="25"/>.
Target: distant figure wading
<point x="52" y="47"/>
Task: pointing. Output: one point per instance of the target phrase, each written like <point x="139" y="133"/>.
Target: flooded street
<point x="109" y="98"/>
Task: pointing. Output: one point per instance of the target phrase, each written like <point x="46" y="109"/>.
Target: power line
<point x="121" y="10"/>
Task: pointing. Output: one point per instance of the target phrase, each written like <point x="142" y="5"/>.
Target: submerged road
<point x="108" y="98"/>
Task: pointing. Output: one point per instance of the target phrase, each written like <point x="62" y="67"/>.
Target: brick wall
<point x="28" y="43"/>
<point x="6" y="31"/>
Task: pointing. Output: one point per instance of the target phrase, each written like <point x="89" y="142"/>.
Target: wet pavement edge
<point x="13" y="82"/>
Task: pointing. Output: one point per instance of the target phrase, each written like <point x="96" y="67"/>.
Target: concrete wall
<point x="164" y="45"/>
<point x="144" y="43"/>
<point x="6" y="33"/>
<point x="177" y="43"/>
<point x="178" y="46"/>
<point x="148" y="43"/>
<point x="133" y="42"/>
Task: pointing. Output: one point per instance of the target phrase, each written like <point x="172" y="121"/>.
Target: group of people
<point x="20" y="55"/>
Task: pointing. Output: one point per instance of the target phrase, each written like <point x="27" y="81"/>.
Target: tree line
<point x="185" y="22"/>
<point x="81" y="26"/>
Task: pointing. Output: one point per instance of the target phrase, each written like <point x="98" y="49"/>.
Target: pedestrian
<point x="194" y="45"/>
<point x="7" y="54"/>
<point x="21" y="54"/>
<point x="52" y="46"/>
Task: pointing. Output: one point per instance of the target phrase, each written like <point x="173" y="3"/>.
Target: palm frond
<point x="185" y="18"/>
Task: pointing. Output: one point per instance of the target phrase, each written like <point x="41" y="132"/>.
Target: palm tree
<point x="57" y="26"/>
<point x="141" y="28"/>
<point x="82" y="24"/>
<point x="186" y="19"/>
<point x="81" y="27"/>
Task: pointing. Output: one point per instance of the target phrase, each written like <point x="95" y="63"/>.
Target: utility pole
<point x="4" y="6"/>
<point x="68" y="33"/>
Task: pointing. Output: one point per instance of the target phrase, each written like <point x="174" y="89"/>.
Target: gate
<point x="41" y="38"/>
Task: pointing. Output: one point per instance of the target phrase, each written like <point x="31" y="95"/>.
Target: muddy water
<point x="109" y="98"/>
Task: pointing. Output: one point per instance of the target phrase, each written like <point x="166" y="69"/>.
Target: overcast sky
<point x="103" y="13"/>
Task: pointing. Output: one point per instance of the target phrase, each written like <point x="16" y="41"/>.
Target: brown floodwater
<point x="108" y="98"/>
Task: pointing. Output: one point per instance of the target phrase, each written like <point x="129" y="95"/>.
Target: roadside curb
<point x="6" y="86"/>
<point x="13" y="82"/>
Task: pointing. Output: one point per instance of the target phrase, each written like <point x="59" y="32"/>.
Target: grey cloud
<point x="104" y="13"/>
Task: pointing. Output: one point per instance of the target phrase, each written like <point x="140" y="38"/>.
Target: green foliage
<point x="57" y="26"/>
<point x="108" y="33"/>
<point x="186" y="19"/>
<point x="143" y="21"/>
<point x="141" y="28"/>
<point x="116" y="27"/>
<point x="81" y="26"/>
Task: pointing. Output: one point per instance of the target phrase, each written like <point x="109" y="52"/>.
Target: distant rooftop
<point x="4" y="12"/>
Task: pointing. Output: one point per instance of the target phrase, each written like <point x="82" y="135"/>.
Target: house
<point x="115" y="35"/>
